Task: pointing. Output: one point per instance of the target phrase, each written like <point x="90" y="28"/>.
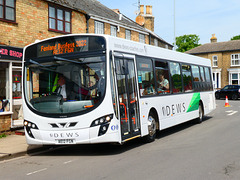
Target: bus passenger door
<point x="127" y="97"/>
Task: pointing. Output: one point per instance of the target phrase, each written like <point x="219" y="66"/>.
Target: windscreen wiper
<point x="35" y="62"/>
<point x="64" y="59"/>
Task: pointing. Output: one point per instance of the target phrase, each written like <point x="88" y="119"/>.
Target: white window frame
<point x="235" y="58"/>
<point x="155" y="42"/>
<point x="215" y="61"/>
<point x="113" y="31"/>
<point x="99" y="27"/>
<point x="141" y="38"/>
<point x="233" y="79"/>
<point x="127" y="34"/>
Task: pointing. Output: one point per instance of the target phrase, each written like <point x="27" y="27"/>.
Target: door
<point x="17" y="117"/>
<point x="127" y="97"/>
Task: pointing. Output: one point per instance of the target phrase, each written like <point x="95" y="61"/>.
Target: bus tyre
<point x="201" y="114"/>
<point x="152" y="128"/>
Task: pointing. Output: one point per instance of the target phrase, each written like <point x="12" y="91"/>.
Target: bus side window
<point x="203" y="80"/>
<point x="146" y="80"/>
<point x="196" y="78"/>
<point x="162" y="77"/>
<point x="176" y="77"/>
<point x="187" y="78"/>
<point x="208" y="78"/>
<point x="202" y="74"/>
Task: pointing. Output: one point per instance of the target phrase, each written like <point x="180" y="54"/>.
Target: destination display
<point x="66" y="45"/>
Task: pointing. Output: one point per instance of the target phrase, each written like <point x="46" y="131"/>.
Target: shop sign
<point x="11" y="53"/>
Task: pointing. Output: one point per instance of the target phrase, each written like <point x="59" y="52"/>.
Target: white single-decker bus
<point x="86" y="88"/>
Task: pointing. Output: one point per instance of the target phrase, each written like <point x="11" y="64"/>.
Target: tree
<point x="235" y="38"/>
<point x="187" y="42"/>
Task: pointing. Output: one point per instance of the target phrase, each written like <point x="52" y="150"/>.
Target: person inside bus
<point x="163" y="83"/>
<point x="62" y="87"/>
<point x="149" y="90"/>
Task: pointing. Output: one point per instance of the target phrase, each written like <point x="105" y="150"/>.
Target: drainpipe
<point x="87" y="21"/>
<point x="150" y="39"/>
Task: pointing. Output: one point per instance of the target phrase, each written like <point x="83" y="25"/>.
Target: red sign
<point x="12" y="53"/>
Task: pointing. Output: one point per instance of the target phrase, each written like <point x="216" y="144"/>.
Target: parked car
<point x="231" y="91"/>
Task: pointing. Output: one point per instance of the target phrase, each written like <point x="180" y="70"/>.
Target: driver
<point x="62" y="87"/>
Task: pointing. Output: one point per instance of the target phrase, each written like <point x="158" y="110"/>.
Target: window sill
<point x="5" y="113"/>
<point x="56" y="31"/>
<point x="7" y="21"/>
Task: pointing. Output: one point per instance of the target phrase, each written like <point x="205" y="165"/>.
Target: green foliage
<point x="3" y="135"/>
<point x="235" y="38"/>
<point x="187" y="42"/>
<point x="177" y="82"/>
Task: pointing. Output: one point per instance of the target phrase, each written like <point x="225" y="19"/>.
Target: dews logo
<point x="171" y="110"/>
<point x="194" y="104"/>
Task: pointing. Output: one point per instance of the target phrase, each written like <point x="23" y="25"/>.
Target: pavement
<point x="14" y="145"/>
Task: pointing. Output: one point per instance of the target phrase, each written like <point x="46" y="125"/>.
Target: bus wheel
<point x="152" y="129"/>
<point x="217" y="95"/>
<point x="201" y="114"/>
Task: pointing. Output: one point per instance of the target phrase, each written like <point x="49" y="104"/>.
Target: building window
<point x="8" y="10"/>
<point x="235" y="60"/>
<point x="141" y="38"/>
<point x="155" y="42"/>
<point x="4" y="87"/>
<point x="99" y="27"/>
<point x="235" y="78"/>
<point x="215" y="61"/>
<point x="59" y="19"/>
<point x="128" y="34"/>
<point x="114" y="31"/>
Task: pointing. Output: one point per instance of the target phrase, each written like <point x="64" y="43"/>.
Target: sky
<point x="200" y="17"/>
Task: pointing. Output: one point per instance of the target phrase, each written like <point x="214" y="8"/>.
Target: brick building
<point x="24" y="21"/>
<point x="225" y="57"/>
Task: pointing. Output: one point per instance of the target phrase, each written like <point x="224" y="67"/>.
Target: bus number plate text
<point x="65" y="141"/>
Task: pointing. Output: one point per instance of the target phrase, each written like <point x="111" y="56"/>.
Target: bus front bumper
<point x="63" y="137"/>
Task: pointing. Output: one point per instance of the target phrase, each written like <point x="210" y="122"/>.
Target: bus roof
<point x="131" y="47"/>
<point x="127" y="46"/>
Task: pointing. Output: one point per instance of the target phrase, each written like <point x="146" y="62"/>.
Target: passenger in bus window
<point x="149" y="90"/>
<point x="163" y="83"/>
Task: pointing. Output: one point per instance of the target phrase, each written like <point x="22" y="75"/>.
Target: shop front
<point x="11" y="115"/>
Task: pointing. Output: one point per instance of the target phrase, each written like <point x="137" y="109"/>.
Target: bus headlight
<point x="103" y="122"/>
<point x="28" y="126"/>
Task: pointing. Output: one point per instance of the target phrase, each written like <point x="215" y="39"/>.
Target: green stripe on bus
<point x="194" y="104"/>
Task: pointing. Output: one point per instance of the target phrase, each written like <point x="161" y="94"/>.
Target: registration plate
<point x="65" y="141"/>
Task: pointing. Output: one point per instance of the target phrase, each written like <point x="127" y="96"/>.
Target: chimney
<point x="213" y="39"/>
<point x="141" y="9"/>
<point x="116" y="11"/>
<point x="140" y="19"/>
<point x="146" y="20"/>
<point x="149" y="18"/>
<point x="148" y="10"/>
